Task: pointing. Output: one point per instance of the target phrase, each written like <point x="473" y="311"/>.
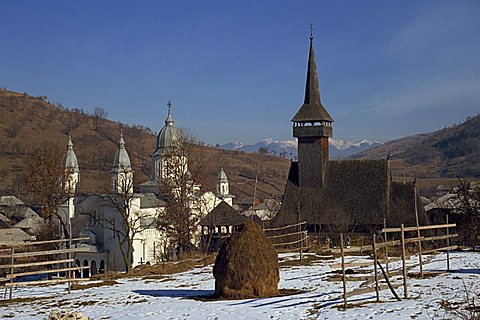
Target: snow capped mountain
<point x="287" y="148"/>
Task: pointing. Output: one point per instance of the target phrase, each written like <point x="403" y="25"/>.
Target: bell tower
<point x="312" y="126"/>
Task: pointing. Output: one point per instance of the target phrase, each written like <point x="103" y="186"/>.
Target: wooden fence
<point x="381" y="248"/>
<point x="289" y="238"/>
<point x="28" y="259"/>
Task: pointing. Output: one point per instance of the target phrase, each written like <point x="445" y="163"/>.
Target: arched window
<point x="93" y="267"/>
<point x="86" y="271"/>
<point x="102" y="267"/>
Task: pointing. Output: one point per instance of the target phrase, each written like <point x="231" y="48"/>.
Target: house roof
<point x="13" y="235"/>
<point x="268" y="204"/>
<point x="29" y="222"/>
<point x="223" y="215"/>
<point x="19" y="212"/>
<point x="10" y="201"/>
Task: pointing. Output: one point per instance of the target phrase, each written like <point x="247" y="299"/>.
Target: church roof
<point x="71" y="159"/>
<point x="150" y="200"/>
<point x="312" y="109"/>
<point x="355" y="192"/>
<point x="223" y="215"/>
<point x="122" y="160"/>
<point x="169" y="136"/>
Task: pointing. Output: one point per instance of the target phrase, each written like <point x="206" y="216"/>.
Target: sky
<point x="235" y="70"/>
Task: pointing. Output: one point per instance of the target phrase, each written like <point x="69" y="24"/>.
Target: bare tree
<point x="99" y="115"/>
<point x="466" y="203"/>
<point x="185" y="168"/>
<point x="120" y="216"/>
<point x="45" y="179"/>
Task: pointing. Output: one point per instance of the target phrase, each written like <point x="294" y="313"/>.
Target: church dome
<point x="222" y="176"/>
<point x="122" y="160"/>
<point x="71" y="161"/>
<point x="169" y="136"/>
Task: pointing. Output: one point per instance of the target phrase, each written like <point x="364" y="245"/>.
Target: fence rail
<point x="281" y="241"/>
<point x="376" y="262"/>
<point x="18" y="269"/>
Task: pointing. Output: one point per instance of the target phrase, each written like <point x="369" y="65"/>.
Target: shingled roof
<point x="355" y="192"/>
<point x="223" y="215"/>
<point x="312" y="109"/>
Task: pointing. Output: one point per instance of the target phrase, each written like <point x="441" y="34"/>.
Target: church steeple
<point x="71" y="179"/>
<point x="312" y="109"/>
<point x="122" y="173"/>
<point x="312" y="126"/>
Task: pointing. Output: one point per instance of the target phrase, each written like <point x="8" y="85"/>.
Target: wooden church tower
<point x="312" y="125"/>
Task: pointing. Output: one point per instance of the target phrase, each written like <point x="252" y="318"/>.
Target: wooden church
<point x="343" y="195"/>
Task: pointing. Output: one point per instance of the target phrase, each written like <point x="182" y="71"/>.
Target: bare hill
<point x="447" y="153"/>
<point x="27" y="122"/>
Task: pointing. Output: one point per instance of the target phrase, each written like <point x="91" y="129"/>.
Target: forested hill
<point x="26" y="122"/>
<point x="449" y="152"/>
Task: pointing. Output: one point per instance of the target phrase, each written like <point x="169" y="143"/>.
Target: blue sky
<point x="235" y="70"/>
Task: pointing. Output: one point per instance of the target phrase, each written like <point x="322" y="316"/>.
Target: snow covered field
<point x="171" y="297"/>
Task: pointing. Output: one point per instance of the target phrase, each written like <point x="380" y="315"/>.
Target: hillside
<point x="447" y="153"/>
<point x="27" y="122"/>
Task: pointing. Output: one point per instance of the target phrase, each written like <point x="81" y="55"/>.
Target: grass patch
<point x="307" y="260"/>
<point x="80" y="286"/>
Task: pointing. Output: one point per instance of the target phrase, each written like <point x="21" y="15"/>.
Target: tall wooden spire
<point x="312" y="109"/>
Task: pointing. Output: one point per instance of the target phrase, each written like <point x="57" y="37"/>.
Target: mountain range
<point x="288" y="148"/>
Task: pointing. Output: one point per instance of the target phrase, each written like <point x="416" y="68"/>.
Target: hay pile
<point x="247" y="265"/>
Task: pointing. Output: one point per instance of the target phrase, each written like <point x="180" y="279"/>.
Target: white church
<point x="96" y="216"/>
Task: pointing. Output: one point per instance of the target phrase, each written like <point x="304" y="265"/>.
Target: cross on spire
<point x="169" y="105"/>
<point x="311" y="31"/>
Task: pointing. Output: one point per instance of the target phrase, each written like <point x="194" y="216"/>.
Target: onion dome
<point x="169" y="136"/>
<point x="222" y="177"/>
<point x="122" y="160"/>
<point x="71" y="161"/>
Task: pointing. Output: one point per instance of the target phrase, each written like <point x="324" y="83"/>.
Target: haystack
<point x="247" y="265"/>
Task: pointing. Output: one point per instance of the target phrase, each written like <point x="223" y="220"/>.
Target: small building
<point x="219" y="224"/>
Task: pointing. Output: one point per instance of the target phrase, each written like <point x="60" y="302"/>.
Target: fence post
<point x="12" y="261"/>
<point x="300" y="239"/>
<point x="343" y="274"/>
<point x="374" y="245"/>
<point x="448" y="250"/>
<point x="385" y="240"/>
<point x="404" y="262"/>
<point x="420" y="260"/>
